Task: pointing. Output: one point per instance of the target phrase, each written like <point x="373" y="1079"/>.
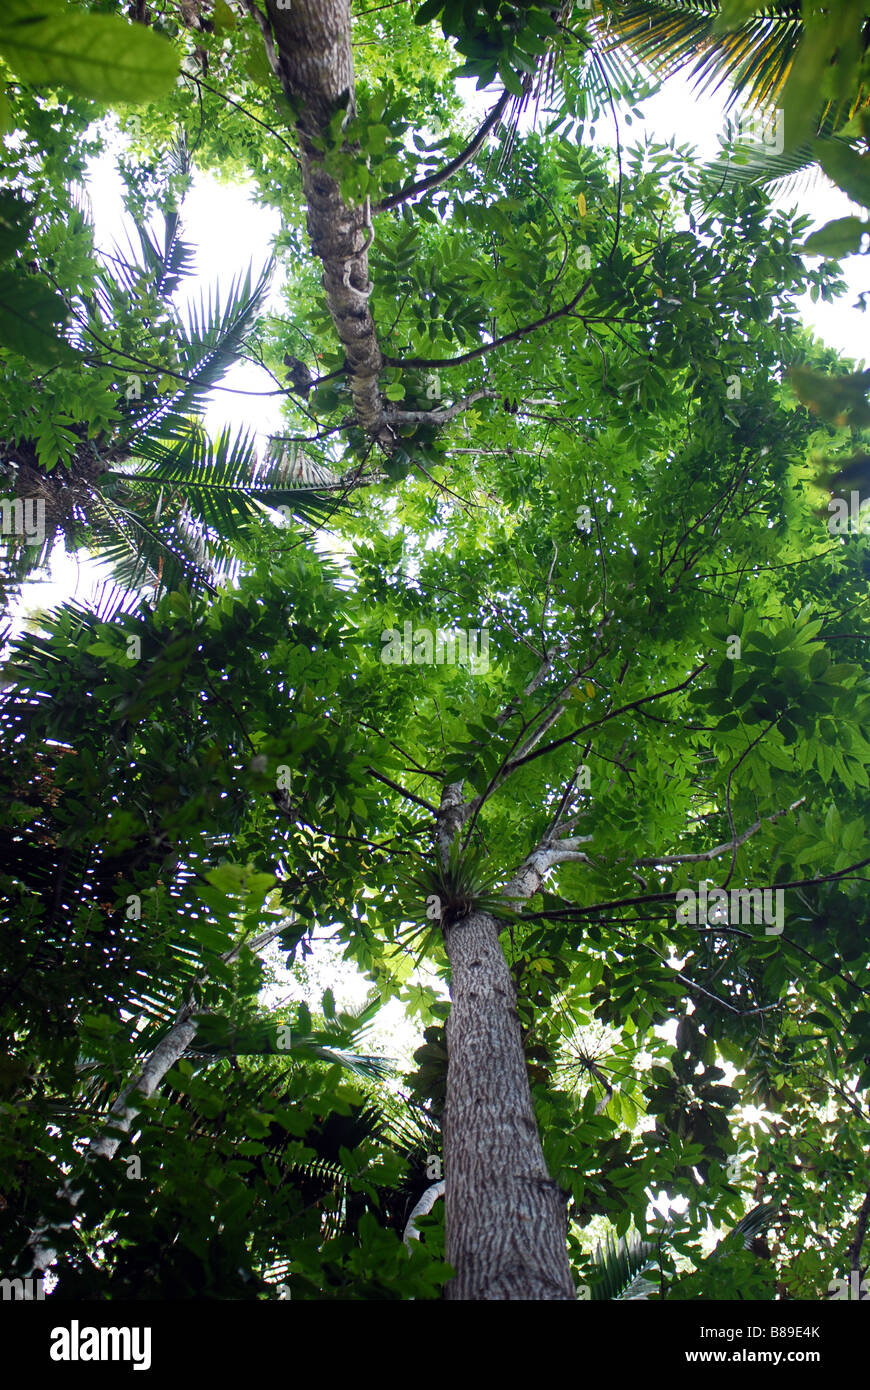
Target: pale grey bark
<point x="422" y="1208"/>
<point x="169" y="1050"/>
<point x="162" y="1059"/>
<point x="449" y="412"/>
<point x="854" y="1247"/>
<point x="121" y="1115"/>
<point x="451" y="816"/>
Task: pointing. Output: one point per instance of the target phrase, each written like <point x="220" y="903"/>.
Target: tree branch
<point x="707" y="854"/>
<point x="422" y="1208"/>
<point x="441" y="417"/>
<point x="453" y="166"/>
<point x="484" y="348"/>
<point x="613" y="714"/>
<point x="409" y="796"/>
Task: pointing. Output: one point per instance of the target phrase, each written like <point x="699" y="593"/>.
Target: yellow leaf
<point x="581" y="203"/>
<point x="590" y="691"/>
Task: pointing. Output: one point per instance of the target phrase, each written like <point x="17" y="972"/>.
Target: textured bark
<point x="451" y="816"/>
<point x="505" y="1217"/>
<point x="312" y="44"/>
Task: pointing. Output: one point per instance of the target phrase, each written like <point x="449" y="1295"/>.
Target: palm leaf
<point x="207" y="342"/>
<point x="336" y="1042"/>
<point x="753" y="164"/>
<point x="221" y="482"/>
<point x="619" y="1268"/>
<point x="747" y="1228"/>
<point x="668" y="35"/>
<point x="144" y="555"/>
<point x="176" y="260"/>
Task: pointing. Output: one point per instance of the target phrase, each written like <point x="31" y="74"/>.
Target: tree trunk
<point x="505" y="1217"/>
<point x="162" y="1059"/>
<point x="312" y="42"/>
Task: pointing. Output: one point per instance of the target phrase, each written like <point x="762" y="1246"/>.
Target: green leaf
<point x="510" y="79"/>
<point x="97" y="56"/>
<point x="30" y="313"/>
<point x="848" y="169"/>
<point x="15" y="222"/>
<point x="734" y="13"/>
<point x="376" y="137"/>
<point x="428" y="11"/>
<point x="801" y="97"/>
<point x="18" y="11"/>
<point x="841" y="237"/>
<point x="224" y="18"/>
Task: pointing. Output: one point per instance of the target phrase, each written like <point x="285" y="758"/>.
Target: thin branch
<point x="442" y="417"/>
<point x="484" y="348"/>
<point x="618" y="161"/>
<point x="579" y="912"/>
<point x="269" y="44"/>
<point x="403" y="791"/>
<point x="719" y="849"/>
<point x="250" y="115"/>
<point x="613" y="714"/>
<point x="393" y="200"/>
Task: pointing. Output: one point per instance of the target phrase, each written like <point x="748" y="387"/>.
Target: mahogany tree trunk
<point x="505" y="1217"/>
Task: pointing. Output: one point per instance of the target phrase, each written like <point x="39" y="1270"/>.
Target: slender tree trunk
<point x="505" y="1217"/>
<point x="315" y="63"/>
<point x="162" y="1059"/>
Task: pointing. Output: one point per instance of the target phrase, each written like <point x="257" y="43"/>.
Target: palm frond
<point x="141" y="554"/>
<point x="747" y="1228"/>
<point x="620" y="1267"/>
<point x="220" y="481"/>
<point x="783" y="174"/>
<point x="669" y="35"/>
<point x="168" y="266"/>
<point x="176" y="509"/>
<point x="207" y="344"/>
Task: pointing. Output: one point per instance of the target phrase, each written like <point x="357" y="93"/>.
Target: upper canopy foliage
<point x="600" y="463"/>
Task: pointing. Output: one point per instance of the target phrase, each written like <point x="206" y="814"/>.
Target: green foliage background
<point x="230" y="756"/>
